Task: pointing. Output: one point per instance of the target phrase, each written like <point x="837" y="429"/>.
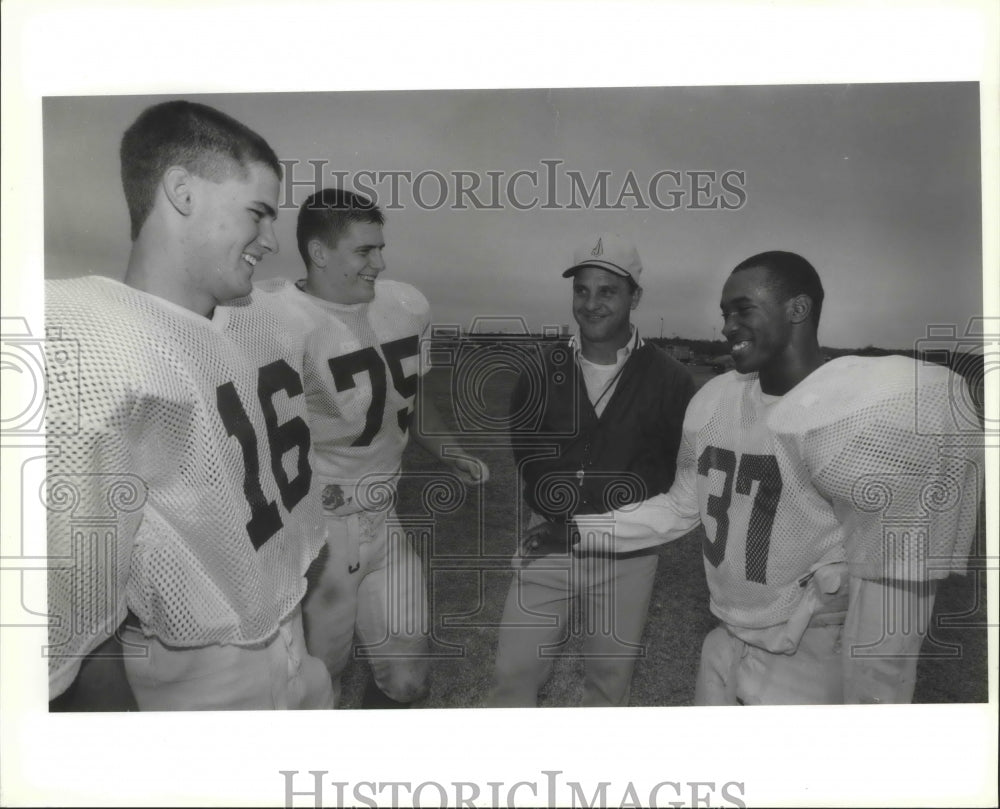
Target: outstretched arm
<point x="429" y="431"/>
<point x="662" y="518"/>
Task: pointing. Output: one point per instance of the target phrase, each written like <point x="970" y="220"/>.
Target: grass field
<point x="467" y="554"/>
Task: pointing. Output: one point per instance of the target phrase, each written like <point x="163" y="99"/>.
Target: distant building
<point x="679" y="352"/>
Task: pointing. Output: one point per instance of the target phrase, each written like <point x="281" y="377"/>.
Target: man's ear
<point x="799" y="308"/>
<point x="317" y="252"/>
<point x="636" y="297"/>
<point x="178" y="188"/>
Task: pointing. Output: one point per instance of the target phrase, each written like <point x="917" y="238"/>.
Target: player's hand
<point x="830" y="581"/>
<point x="547" y="538"/>
<point x="823" y="587"/>
<point x="471" y="471"/>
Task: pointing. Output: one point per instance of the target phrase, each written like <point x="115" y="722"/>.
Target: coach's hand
<point x="471" y="471"/>
<point x="547" y="538"/>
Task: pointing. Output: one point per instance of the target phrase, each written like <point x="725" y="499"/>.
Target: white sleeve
<point x="94" y="499"/>
<point x="904" y="477"/>
<point x="662" y="518"/>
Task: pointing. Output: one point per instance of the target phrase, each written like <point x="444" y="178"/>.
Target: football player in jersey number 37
<point x="833" y="496"/>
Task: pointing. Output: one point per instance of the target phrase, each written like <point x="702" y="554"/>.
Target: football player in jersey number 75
<point x="834" y="495"/>
<point x="179" y="526"/>
<point x="362" y="378"/>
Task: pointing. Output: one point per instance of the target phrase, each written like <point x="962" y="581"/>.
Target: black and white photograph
<point x="438" y="409"/>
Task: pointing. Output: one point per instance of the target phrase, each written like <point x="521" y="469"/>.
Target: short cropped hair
<point x="327" y="214"/>
<point x="789" y="275"/>
<point x="206" y="142"/>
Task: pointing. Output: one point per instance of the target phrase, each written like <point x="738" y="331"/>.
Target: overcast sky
<point x="878" y="185"/>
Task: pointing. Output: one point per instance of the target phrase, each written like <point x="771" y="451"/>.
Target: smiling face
<point x="352" y="265"/>
<point x="602" y="303"/>
<point x="757" y="323"/>
<point x="232" y="229"/>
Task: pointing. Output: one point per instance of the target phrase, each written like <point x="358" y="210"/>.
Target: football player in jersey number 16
<point x="178" y="499"/>
<point x="833" y="495"/>
<point x="362" y="377"/>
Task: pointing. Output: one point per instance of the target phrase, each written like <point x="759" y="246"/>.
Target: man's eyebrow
<point x="267" y="209"/>
<point x="735" y="301"/>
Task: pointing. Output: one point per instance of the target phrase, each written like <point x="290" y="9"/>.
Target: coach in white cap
<point x="608" y="251"/>
<point x="603" y="433"/>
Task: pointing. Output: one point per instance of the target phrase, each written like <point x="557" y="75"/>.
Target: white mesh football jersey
<point x="361" y="374"/>
<point x="178" y="472"/>
<point x="843" y="467"/>
<point x="887" y="442"/>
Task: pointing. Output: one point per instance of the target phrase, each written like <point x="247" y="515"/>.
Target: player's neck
<point x="154" y="271"/>
<point x="780" y="377"/>
<point x="313" y="285"/>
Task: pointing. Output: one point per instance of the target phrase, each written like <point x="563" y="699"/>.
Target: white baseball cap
<point x="607" y="251"/>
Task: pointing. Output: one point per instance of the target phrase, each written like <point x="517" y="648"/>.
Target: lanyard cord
<point x="609" y="386"/>
<point x="618" y="373"/>
<point x="584" y="462"/>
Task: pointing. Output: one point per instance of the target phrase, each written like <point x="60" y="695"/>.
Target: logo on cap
<point x="613" y="253"/>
